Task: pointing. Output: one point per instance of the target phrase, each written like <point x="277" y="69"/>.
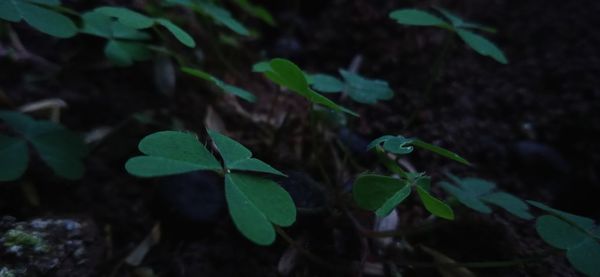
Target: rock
<point x="356" y="143"/>
<point x="42" y="246"/>
<point x="195" y="197"/>
<point x="540" y="159"/>
<point x="309" y="196"/>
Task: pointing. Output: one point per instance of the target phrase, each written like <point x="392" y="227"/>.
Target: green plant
<point x="59" y="148"/>
<point x="239" y="92"/>
<point x="286" y="74"/>
<point x="382" y="194"/>
<point x="477" y="193"/>
<point x="255" y="203"/>
<point x="40" y="14"/>
<point x="456" y="25"/>
<point x="578" y="236"/>
<point x="124" y="31"/>
<point x="217" y="13"/>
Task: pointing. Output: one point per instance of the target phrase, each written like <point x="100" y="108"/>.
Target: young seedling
<point x="255" y="203"/>
<point x="578" y="236"/>
<point x="477" y="193"/>
<point x="40" y="14"/>
<point x="456" y="25"/>
<point x="382" y="194"/>
<point x="286" y="74"/>
<point x="124" y="30"/>
<point x="59" y="148"/>
<point x="227" y="88"/>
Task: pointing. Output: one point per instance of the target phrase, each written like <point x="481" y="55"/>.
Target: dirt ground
<point x="531" y="126"/>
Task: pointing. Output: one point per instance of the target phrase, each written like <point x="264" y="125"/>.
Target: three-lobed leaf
<point x="366" y="91"/>
<point x="171" y="152"/>
<point x="477" y="193"/>
<point x="578" y="235"/>
<point x="61" y="149"/>
<point x="40" y="17"/>
<point x="238" y="157"/>
<point x="255" y="204"/>
<point x="462" y="28"/>
<point x="325" y="83"/>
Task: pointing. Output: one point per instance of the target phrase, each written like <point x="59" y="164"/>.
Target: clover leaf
<point x="285" y="73"/>
<point x="238" y="157"/>
<point x="242" y="93"/>
<point x="59" y="148"/>
<point x="325" y="83"/>
<point x="578" y="235"/>
<point x="401" y="145"/>
<point x="457" y="25"/>
<point x="477" y="193"/>
<point x="366" y="91"/>
<point x="171" y="152"/>
<point x="40" y="15"/>
<point x="382" y="194"/>
<point x="255" y="203"/>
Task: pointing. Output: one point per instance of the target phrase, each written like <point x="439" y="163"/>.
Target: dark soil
<point x="531" y="126"/>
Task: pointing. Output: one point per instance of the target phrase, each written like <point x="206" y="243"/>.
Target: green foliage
<point x="217" y="13"/>
<point x="14" y="157"/>
<point x="58" y="147"/>
<point x="434" y="205"/>
<point x="125" y="31"/>
<point x="382" y="194"/>
<point x="238" y="157"/>
<point x="287" y="74"/>
<point x="359" y="88"/>
<point x="256" y="11"/>
<point x="578" y="235"/>
<point x="324" y="83"/>
<point x="477" y="193"/>
<point x="462" y="28"/>
<point x="255" y="203"/>
<point x="171" y="152"/>
<point x="242" y="93"/>
<point x="401" y="145"/>
<point x="417" y="18"/>
<point x="40" y="14"/>
<point x="364" y="90"/>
